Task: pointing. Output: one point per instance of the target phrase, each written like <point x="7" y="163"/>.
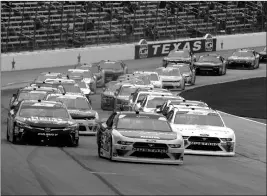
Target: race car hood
<point x="148" y="135"/>
<point x="82" y="113"/>
<point x="156" y="83"/>
<point x="263" y="53"/>
<point x="241" y="58"/>
<point x="46" y="121"/>
<point x="108" y="94"/>
<point x="200" y="130"/>
<point x="211" y="64"/>
<point x="170" y="78"/>
<point x="177" y="59"/>
<point x="85" y="91"/>
<point x="186" y="74"/>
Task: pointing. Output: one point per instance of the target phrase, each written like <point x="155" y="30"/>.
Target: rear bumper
<point x="171" y="85"/>
<point x="89" y="127"/>
<point x="208" y="68"/>
<point x="239" y="64"/>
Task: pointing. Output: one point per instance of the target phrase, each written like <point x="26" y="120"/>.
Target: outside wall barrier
<point x="66" y="57"/>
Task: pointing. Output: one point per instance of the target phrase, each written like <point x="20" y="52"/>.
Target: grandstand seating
<point x="32" y="25"/>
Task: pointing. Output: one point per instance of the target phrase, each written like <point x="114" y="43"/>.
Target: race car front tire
<point x="193" y="81"/>
<point x="7" y="130"/>
<point x="74" y="142"/>
<point x="183" y="86"/>
<point x="110" y="149"/>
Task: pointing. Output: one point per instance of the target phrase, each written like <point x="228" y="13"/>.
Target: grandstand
<point x="38" y="25"/>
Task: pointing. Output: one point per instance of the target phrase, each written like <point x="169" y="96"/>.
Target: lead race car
<point x="245" y="58"/>
<point x="106" y="71"/>
<point x="139" y="137"/>
<point x="263" y="55"/>
<point x="203" y="130"/>
<point x="211" y="63"/>
<point x="45" y="121"/>
<point x="179" y="56"/>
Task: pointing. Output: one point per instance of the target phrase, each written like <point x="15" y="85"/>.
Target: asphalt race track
<point x="43" y="170"/>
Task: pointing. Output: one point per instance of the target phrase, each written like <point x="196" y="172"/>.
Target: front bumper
<point x="206" y="148"/>
<point x="131" y="154"/>
<point x="171" y="85"/>
<point x="263" y="57"/>
<point x="36" y="135"/>
<point x="87" y="127"/>
<point x="208" y="68"/>
<point x="233" y="64"/>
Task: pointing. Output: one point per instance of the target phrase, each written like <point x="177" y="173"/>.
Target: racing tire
<point x="7" y="132"/>
<point x="110" y="150"/>
<point x="193" y="81"/>
<point x="258" y="65"/>
<point x="74" y="143"/>
<point x="225" y="69"/>
<point x="15" y="139"/>
<point x="183" y="86"/>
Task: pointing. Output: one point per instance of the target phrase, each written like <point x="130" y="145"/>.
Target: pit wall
<point x="66" y="57"/>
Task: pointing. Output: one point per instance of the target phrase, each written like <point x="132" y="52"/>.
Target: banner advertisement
<point x="148" y="50"/>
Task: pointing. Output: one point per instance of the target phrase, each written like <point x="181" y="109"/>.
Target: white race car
<point x="203" y="130"/>
<point x="154" y="77"/>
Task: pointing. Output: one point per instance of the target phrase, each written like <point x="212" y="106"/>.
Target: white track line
<point x="243" y="118"/>
<point x="12" y="83"/>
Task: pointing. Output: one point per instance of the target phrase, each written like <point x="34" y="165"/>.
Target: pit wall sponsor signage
<point x="148" y="50"/>
<point x="229" y="42"/>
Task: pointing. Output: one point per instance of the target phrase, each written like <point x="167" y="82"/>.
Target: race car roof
<point x="60" y="80"/>
<point x="35" y="92"/>
<point x="184" y="101"/>
<point x="42" y="103"/>
<point x="130" y="114"/>
<point x="167" y="68"/>
<point x="197" y="111"/>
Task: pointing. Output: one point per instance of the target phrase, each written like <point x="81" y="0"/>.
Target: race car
<point x="122" y="95"/>
<point x="171" y="77"/>
<point x="33" y="121"/>
<point x="85" y="88"/>
<point x="45" y="75"/>
<point x="138" y="96"/>
<point x="27" y="93"/>
<point x="139" y="137"/>
<point x="80" y="110"/>
<point x="69" y="85"/>
<point x="203" y="130"/>
<point x="85" y="75"/>
<point x="108" y="96"/>
<point x="263" y="55"/>
<point x="153" y="77"/>
<point x="106" y="71"/>
<point x="245" y="58"/>
<point x="48" y="85"/>
<point x="211" y="63"/>
<point x="152" y="102"/>
<point x="179" y="56"/>
<point x="187" y="72"/>
<point x="168" y="105"/>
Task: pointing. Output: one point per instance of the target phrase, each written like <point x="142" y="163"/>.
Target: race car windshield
<point x="144" y="124"/>
<point x="75" y="104"/>
<point x="31" y="96"/>
<point x="71" y="88"/>
<point x="184" y="69"/>
<point x="39" y="111"/>
<point x="243" y="54"/>
<point x="44" y="77"/>
<point x="153" y="77"/>
<point x="81" y="84"/>
<point x="157" y="101"/>
<point x="110" y="65"/>
<point x="182" y="54"/>
<point x="213" y="59"/>
<point x="169" y="72"/>
<point x="126" y="91"/>
<point x="193" y="119"/>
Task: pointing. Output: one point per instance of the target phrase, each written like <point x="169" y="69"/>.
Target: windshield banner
<point x="148" y="50"/>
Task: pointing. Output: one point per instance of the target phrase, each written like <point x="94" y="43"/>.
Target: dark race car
<point x="263" y="55"/>
<point x="45" y="121"/>
<point x="211" y="63"/>
<point x="27" y="93"/>
<point x="107" y="96"/>
<point x="187" y="72"/>
<point x="244" y="58"/>
<point x="179" y="56"/>
<point x="106" y="71"/>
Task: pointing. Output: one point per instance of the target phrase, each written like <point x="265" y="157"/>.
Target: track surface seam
<point x="113" y="188"/>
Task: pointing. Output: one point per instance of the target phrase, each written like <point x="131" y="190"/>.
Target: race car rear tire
<point x="14" y="138"/>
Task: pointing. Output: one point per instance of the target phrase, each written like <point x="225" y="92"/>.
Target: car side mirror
<point x="12" y="107"/>
<point x="116" y="93"/>
<point x="14" y="95"/>
<point x="158" y="106"/>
